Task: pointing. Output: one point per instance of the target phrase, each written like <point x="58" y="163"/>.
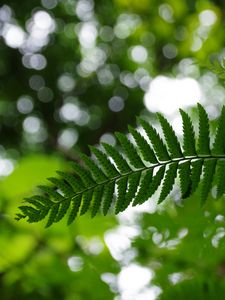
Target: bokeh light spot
<point x="139" y="54"/>
<point x="116" y="104"/>
<point x="25" y="104"/>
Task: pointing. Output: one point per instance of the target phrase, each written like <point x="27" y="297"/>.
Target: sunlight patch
<point x="167" y="95"/>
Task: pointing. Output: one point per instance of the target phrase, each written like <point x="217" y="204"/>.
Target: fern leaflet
<point x="208" y="172"/>
<point x="168" y="182"/>
<point x="157" y="143"/>
<point x="188" y="135"/>
<point x="171" y="139"/>
<point x="185" y="181"/>
<point x="203" y="141"/>
<point x="220" y="176"/>
<point x="219" y="142"/>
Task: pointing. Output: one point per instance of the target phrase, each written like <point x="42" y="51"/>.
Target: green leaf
<point x="52" y="214"/>
<point x="157" y="143"/>
<point x="96" y="173"/>
<point x="208" y="172"/>
<point x="185" y="180"/>
<point x="168" y="182"/>
<point x="203" y="139"/>
<point x="84" y="175"/>
<point x="63" y="207"/>
<point x="36" y="203"/>
<point x="119" y="161"/>
<point x="143" y="147"/>
<point x="171" y="138"/>
<point x="129" y="151"/>
<point x="86" y="201"/>
<point x="64" y="188"/>
<point x="196" y="170"/>
<point x="188" y="135"/>
<point x="143" y="192"/>
<point x="121" y="190"/>
<point x="133" y="183"/>
<point x="34" y="215"/>
<point x="97" y="199"/>
<point x="51" y="192"/>
<point x="43" y="200"/>
<point x="220" y="178"/>
<point x="156" y="181"/>
<point x="73" y="181"/>
<point x="107" y="167"/>
<point x="76" y="201"/>
<point x="108" y="196"/>
<point x="219" y="142"/>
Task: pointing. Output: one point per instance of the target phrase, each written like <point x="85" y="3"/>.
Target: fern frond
<point x="171" y="138"/>
<point x="121" y="191"/>
<point x="203" y="139"/>
<point x="86" y="202"/>
<point x="84" y="175"/>
<point x="168" y="182"/>
<point x="39" y="201"/>
<point x="156" y="181"/>
<point x="157" y="143"/>
<point x="208" y="172"/>
<point x="52" y="214"/>
<point x="96" y="173"/>
<point x="220" y="178"/>
<point x="65" y="188"/>
<point x="136" y="174"/>
<point x="62" y="210"/>
<point x="32" y="214"/>
<point x="133" y="182"/>
<point x="108" y="197"/>
<point x="129" y="151"/>
<point x="196" y="171"/>
<point x="76" y="201"/>
<point x="188" y="135"/>
<point x="97" y="198"/>
<point x="143" y="194"/>
<point x="219" y="142"/>
<point x="119" y="161"/>
<point x="143" y="147"/>
<point x="149" y="185"/>
<point x="74" y="182"/>
<point x="109" y="169"/>
<point x="51" y="193"/>
<point x="185" y="180"/>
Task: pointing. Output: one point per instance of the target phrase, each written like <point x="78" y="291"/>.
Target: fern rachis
<point x="131" y="177"/>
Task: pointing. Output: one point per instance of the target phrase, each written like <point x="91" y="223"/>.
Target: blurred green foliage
<point x="71" y="73"/>
<point x="40" y="264"/>
<point x="186" y="249"/>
